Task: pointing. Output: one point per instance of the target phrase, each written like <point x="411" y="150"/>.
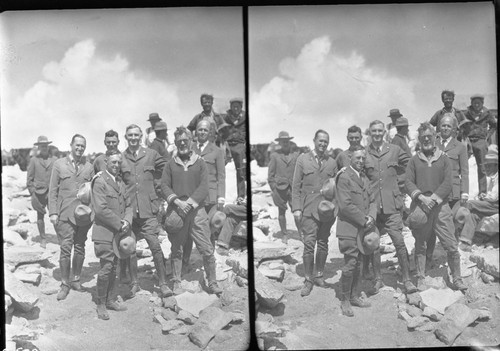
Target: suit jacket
<point x="64" y="184"/>
<point x="100" y="165"/>
<point x="214" y="158"/>
<point x="144" y="184"/>
<point x="281" y="168"/>
<point x="436" y="118"/>
<point x="111" y="205"/>
<point x="236" y="132"/>
<point x="39" y="171"/>
<point x="308" y="179"/>
<point x="457" y="153"/>
<point x="400" y="141"/>
<point x="480" y="123"/>
<point x="355" y="200"/>
<point x="386" y="173"/>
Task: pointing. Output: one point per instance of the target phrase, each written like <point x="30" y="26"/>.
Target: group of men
<point x="365" y="189"/>
<point x="130" y="195"/>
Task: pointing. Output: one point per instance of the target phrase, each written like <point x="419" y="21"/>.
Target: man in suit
<point x="38" y="178"/>
<point x="280" y="178"/>
<point x="428" y="182"/>
<point x="143" y="189"/>
<point x="113" y="216"/>
<point x="357" y="212"/>
<point x="68" y="174"/>
<point x="111" y="141"/>
<point x="312" y="170"/>
<point x="447" y="97"/>
<point x="214" y="159"/>
<point x="401" y="137"/>
<point x="354" y="136"/>
<point x="184" y="185"/>
<point x="385" y="165"/>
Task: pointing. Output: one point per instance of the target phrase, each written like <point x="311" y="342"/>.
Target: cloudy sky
<point x="331" y="67"/>
<point x="87" y="71"/>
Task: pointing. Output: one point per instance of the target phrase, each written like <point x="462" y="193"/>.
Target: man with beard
<point x="280" y="178"/>
<point x="68" y="174"/>
<point x="184" y="185"/>
<point x="428" y="182"/>
<point x="447" y="96"/>
<point x="354" y="136"/>
<point x="111" y="141"/>
<point x="146" y="166"/>
<point x="38" y="178"/>
<point x="312" y="170"/>
<point x="385" y="166"/>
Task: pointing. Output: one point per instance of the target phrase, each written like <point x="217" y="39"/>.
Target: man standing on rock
<point x="280" y="178"/>
<point x="357" y="213"/>
<point x="208" y="114"/>
<point x="185" y="187"/>
<point x="68" y="174"/>
<point x="312" y="170"/>
<point x="447" y="96"/>
<point x="38" y="178"/>
<point x="111" y="141"/>
<point x="354" y="136"/>
<point x="146" y="166"/>
<point x="385" y="165"/>
<point x="428" y="182"/>
<point x="113" y="217"/>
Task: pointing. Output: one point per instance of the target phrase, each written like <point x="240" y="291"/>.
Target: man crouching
<point x="111" y="231"/>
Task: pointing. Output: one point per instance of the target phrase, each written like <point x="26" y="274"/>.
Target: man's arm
<point x="30" y="178"/>
<point x="403" y="159"/>
<point x="166" y="185"/>
<point x="410" y="182"/>
<point x="434" y="118"/>
<point x="298" y="174"/>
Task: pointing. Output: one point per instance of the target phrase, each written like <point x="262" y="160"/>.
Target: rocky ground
<point x="436" y="317"/>
<point x="35" y="319"/>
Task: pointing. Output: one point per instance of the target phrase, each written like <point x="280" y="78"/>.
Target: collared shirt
<point x="74" y="161"/>
<point x="317" y="157"/>
<point x="445" y="141"/>
<point x="202" y="146"/>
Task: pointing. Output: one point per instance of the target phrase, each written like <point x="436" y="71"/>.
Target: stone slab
<point x="456" y="319"/>
<point x="439" y="299"/>
<point x="270" y="250"/>
<point x="276" y="274"/>
<point x="13" y="238"/>
<point x="211" y="320"/>
<point x="186" y="317"/>
<point x="487" y="260"/>
<point x="268" y="292"/>
<point x="17" y="255"/>
<point x="239" y="264"/>
<point x="195" y="303"/>
<point x="25" y="299"/>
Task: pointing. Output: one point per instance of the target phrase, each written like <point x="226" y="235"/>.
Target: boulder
<point x="168" y="314"/>
<point x="20" y="333"/>
<point x="456" y="318"/>
<point x="156" y="300"/>
<point x="239" y="264"/>
<point x="489" y="225"/>
<point x="210" y="322"/>
<point x="22" y="229"/>
<point x="191" y="286"/>
<point x="258" y="235"/>
<point x="268" y="293"/>
<point x="414" y="299"/>
<point x="30" y="268"/>
<point x="182" y="330"/>
<point x="242" y="282"/>
<point x="8" y="302"/>
<point x="436" y="283"/>
<point x="262" y="225"/>
<point x="413" y="311"/>
<point x="169" y="302"/>
<point x="292" y="282"/>
<point x="17" y="255"/>
<point x="487" y="260"/>
<point x="194" y="303"/>
<point x="439" y="299"/>
<point x="13" y="238"/>
<point x="270" y="250"/>
<point x="167" y="326"/>
<point x="32" y="278"/>
<point x="186" y="317"/>
<point x="427" y="327"/>
<point x="432" y="313"/>
<point x="49" y="286"/>
<point x="23" y="297"/>
<point x="487" y="278"/>
<point x="276" y="274"/>
<point x="416" y="322"/>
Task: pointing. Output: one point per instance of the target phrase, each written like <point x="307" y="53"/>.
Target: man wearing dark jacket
<point x="447" y="96"/>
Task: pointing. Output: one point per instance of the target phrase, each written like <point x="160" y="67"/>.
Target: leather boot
<point x="429" y="251"/>
<point x="134" y="285"/>
<point x="176" y="264"/>
<point x="186" y="255"/>
<point x="77" y="266"/>
<point x="210" y="270"/>
<point x="65" y="267"/>
<point x="367" y="275"/>
<point x="345" y="304"/>
<point x="308" y="273"/>
<point x="41" y="229"/>
<point x="404" y="263"/>
<point x="111" y="302"/>
<point x="282" y="223"/>
<point x="454" y="264"/>
<point x="124" y="271"/>
<point x="354" y="298"/>
<point x="420" y="260"/>
<point x="379" y="283"/>
<point x="161" y="271"/>
<point x="321" y="256"/>
<point x="102" y="291"/>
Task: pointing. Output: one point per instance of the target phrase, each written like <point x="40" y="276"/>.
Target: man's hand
<point x="370" y="222"/>
<point x="297" y="215"/>
<point x="220" y="203"/>
<point x="125" y="226"/>
<point x="184" y="206"/>
<point x="53" y="219"/>
<point x="427" y="201"/>
<point x="481" y="196"/>
<point x="464" y="198"/>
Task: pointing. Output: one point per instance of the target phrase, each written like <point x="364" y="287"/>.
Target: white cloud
<point x="87" y="94"/>
<point x="323" y="89"/>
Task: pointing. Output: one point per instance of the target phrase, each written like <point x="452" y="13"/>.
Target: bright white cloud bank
<point x="86" y="94"/>
<point x="322" y="89"/>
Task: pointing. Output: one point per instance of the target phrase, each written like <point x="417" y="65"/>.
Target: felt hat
<point x="326" y="211"/>
<point x="83" y="215"/>
<point x="394" y="113"/>
<point x="173" y="221"/>
<point x="328" y="189"/>
<point x="84" y="193"/>
<point x="124" y="245"/>
<point x="42" y="140"/>
<point x="462" y="214"/>
<point x="492" y="155"/>
<point x="237" y="99"/>
<point x="368" y="240"/>
<point x="283" y="136"/>
<point x="417" y="217"/>
<point x="154" y="117"/>
<point x="160" y="126"/>
<point x="477" y="96"/>
<point x="401" y="122"/>
<point x="217" y="219"/>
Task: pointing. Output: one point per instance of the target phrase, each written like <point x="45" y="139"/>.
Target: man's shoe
<point x="465" y="246"/>
<point x="115" y="306"/>
<point x="379" y="284"/>
<point x="221" y="250"/>
<point x="306" y="290"/>
<point x="410" y="287"/>
<point x="177" y="288"/>
<point x="421" y="286"/>
<point x="75" y="285"/>
<point x="320" y="281"/>
<point x="165" y="290"/>
<point x="346" y="308"/>
<point x="101" y="312"/>
<point x="213" y="288"/>
<point x="459" y="285"/>
<point x="358" y="302"/>
<point x="135" y="288"/>
<point x="63" y="293"/>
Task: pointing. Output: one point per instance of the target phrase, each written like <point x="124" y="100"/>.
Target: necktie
<point x="318" y="158"/>
<point x="200" y="146"/>
<point x="76" y="166"/>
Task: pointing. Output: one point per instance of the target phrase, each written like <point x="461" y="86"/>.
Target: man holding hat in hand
<point x="280" y="178"/>
<point x="38" y="178"/>
<point x="68" y="174"/>
<point x="113" y="219"/>
<point x="312" y="170"/>
<point x="357" y="213"/>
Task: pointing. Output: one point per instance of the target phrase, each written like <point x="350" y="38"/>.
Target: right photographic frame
<point x="374" y="175"/>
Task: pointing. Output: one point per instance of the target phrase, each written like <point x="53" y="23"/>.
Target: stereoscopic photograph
<point x="124" y="179"/>
<point x="374" y="175"/>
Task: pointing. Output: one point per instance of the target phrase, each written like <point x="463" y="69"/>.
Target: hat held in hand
<point x="124" y="245"/>
<point x="417" y="218"/>
<point x="326" y="211"/>
<point x="328" y="189"/>
<point x="368" y="240"/>
<point x="83" y="215"/>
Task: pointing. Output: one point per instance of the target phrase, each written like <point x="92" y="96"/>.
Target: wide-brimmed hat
<point x="492" y="155"/>
<point x="84" y="193"/>
<point x="368" y="240"/>
<point x="417" y="217"/>
<point x="42" y="140"/>
<point x="394" y="113"/>
<point x="83" y="215"/>
<point x="283" y="136"/>
<point x="401" y="122"/>
<point x="477" y="96"/>
<point x="462" y="214"/>
<point x="154" y="117"/>
<point x="173" y="221"/>
<point x="237" y="99"/>
<point x="216" y="218"/>
<point x="124" y="246"/>
<point x="326" y="211"/>
<point x="328" y="189"/>
<point x="160" y="126"/>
